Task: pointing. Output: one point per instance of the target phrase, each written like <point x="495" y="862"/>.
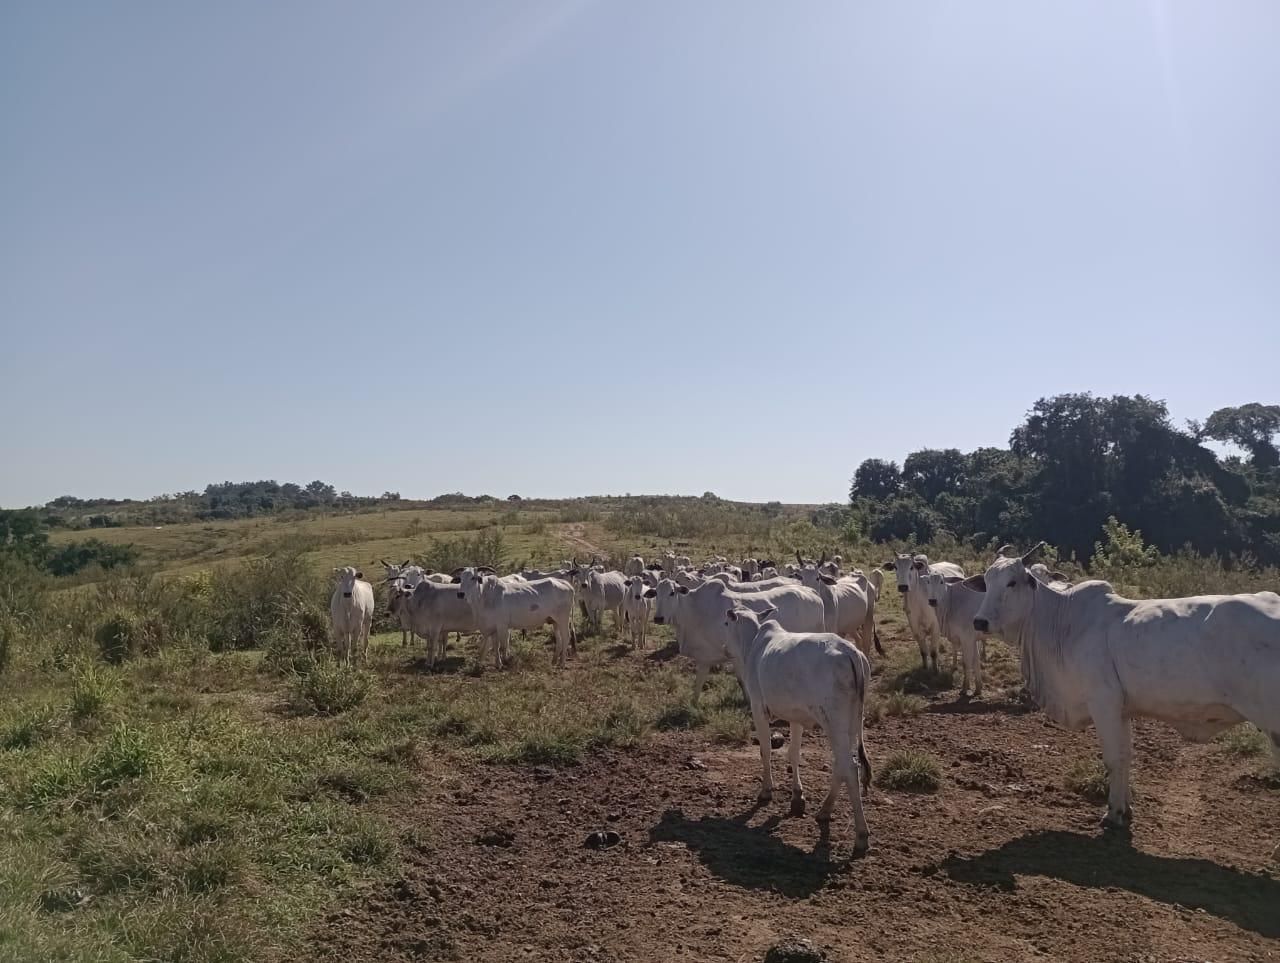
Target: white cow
<point x="601" y="592"/>
<point x="637" y="606"/>
<point x="921" y="619"/>
<point x="814" y="680"/>
<point x="402" y="576"/>
<point x="500" y="606"/>
<point x="698" y="617"/>
<point x="750" y="566"/>
<point x="1201" y="664"/>
<point x="351" y="614"/>
<point x="849" y="603"/>
<point x="433" y="611"/>
<point x="956" y="605"/>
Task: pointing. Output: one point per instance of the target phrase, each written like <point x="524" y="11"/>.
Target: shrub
<point x="911" y="771"/>
<point x="1087" y="778"/>
<point x="728" y="727"/>
<point x="331" y="687"/>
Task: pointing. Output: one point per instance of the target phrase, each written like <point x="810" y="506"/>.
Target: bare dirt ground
<point x="1003" y="864"/>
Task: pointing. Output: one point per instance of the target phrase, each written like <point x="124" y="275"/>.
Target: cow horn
<point x="383" y="563"/>
<point x="405" y="563"/>
<point x="1027" y="559"/>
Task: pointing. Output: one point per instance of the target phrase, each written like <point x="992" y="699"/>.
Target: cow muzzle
<point x="462" y="595"/>
<point x="933" y="603"/>
<point x="902" y="588"/>
<point x="346" y="595"/>
<point x="982" y="625"/>
<point x="659" y="620"/>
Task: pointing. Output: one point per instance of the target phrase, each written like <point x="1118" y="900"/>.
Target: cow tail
<point x="860" y="684"/>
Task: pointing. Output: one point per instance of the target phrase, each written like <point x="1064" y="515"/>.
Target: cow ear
<point x="977" y="583"/>
<point x="359" y="574"/>
<point x="733" y="616"/>
<point x="651" y="593"/>
<point x="826" y="580"/>
<point x="1031" y="580"/>
<point x="889" y="566"/>
<point x="683" y="590"/>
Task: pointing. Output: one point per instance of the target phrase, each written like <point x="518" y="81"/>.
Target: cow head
<point x="935" y="587"/>
<point x="347" y="578"/>
<point x="908" y="569"/>
<point x="1010" y="592"/>
<point x="668" y="597"/>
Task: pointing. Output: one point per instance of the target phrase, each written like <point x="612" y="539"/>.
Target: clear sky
<point x="563" y="247"/>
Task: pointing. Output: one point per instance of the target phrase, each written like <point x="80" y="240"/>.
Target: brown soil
<point x="1002" y="864"/>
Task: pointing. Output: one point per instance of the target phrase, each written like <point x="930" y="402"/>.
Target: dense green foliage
<point x="24" y="539"/>
<point x="1078" y="460"/>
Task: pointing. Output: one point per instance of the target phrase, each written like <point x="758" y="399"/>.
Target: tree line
<point x="1077" y="460"/>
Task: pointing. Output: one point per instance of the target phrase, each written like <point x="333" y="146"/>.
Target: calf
<point x="637" y="606"/>
<point x="812" y="679"/>
<point x="921" y="619"/>
<point x="956" y="605"/>
<point x="351" y="614"/>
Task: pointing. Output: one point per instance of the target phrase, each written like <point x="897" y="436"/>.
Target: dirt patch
<point x="1003" y="864"/>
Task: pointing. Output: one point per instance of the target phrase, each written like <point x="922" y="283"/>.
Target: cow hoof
<point x="823" y="816"/>
<point x="797" y="805"/>
<point x="1117" y="820"/>
<point x="764" y="796"/>
<point x="862" y="843"/>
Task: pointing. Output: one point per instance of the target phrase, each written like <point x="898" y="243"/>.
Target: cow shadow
<point x="970" y="707"/>
<point x="449" y="665"/>
<point x="665" y="654"/>
<point x="1248" y="900"/>
<point x="751" y="856"/>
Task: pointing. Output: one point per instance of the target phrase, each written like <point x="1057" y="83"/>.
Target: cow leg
<point x="563" y="636"/>
<point x="701" y="674"/>
<point x="853" y="778"/>
<point x="973" y="665"/>
<point x="766" y="747"/>
<point x="793" y="757"/>
<point x="841" y="754"/>
<point x="1117" y="755"/>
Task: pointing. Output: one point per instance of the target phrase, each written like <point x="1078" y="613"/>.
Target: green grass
<point x="911" y="771"/>
<point x="1087" y="778"/>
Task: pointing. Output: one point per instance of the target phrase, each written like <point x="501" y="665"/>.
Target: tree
<point x="876" y="479"/>
<point x="1250" y="427"/>
<point x="931" y="472"/>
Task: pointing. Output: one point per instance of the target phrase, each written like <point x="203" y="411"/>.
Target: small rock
<point x="602" y="839"/>
<point x="794" y="951"/>
<point x="693" y="762"/>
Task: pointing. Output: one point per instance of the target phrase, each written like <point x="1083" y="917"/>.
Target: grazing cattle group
<point x="801" y="642"/>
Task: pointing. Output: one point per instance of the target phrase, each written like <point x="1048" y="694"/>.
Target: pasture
<point x="169" y="793"/>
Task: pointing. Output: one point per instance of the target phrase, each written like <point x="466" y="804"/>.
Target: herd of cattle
<point x="800" y="638"/>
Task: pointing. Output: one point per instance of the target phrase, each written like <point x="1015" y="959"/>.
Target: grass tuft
<point x="911" y="771"/>
<point x="1087" y="778"/>
<point x="903" y="704"/>
<point x="1244" y="741"/>
<point x="330" y="687"/>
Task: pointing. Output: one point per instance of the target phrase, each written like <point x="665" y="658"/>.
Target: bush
<point x="911" y="771"/>
<point x="277" y="601"/>
<point x="330" y="687"/>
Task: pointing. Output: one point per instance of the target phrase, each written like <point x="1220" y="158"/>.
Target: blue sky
<point x="568" y="247"/>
